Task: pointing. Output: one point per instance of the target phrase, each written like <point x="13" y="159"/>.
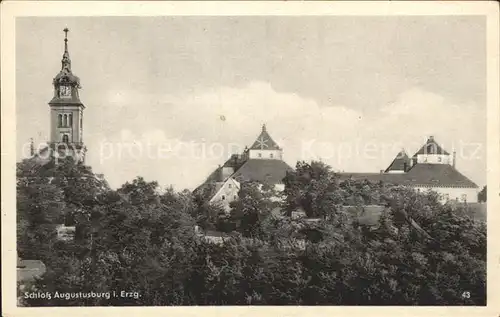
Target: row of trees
<point x="140" y="239"/>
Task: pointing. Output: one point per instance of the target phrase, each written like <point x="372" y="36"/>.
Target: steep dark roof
<point x="431" y="147"/>
<point x="437" y="175"/>
<point x="374" y="177"/>
<point x="235" y="161"/>
<point x="398" y="164"/>
<point x="270" y="171"/>
<point x="264" y="141"/>
<point x="74" y="100"/>
<point x="433" y="175"/>
<point x="208" y="186"/>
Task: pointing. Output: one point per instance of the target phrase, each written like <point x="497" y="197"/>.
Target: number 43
<point x="466" y="295"/>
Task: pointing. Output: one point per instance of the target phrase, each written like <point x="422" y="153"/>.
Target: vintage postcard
<point x="281" y="158"/>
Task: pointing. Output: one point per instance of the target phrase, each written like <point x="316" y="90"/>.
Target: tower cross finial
<point x="66" y="62"/>
<point x="66" y="30"/>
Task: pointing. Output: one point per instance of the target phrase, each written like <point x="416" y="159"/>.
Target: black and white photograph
<point x="251" y="160"/>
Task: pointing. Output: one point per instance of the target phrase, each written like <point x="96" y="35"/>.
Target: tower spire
<point x="264" y="127"/>
<point x="67" y="110"/>
<point x="66" y="61"/>
<point x="66" y="30"/>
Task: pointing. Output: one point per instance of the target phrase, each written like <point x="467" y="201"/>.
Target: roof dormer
<point x="431" y="153"/>
<point x="265" y="147"/>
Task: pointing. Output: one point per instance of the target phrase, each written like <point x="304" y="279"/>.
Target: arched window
<point x="65" y="120"/>
<point x="65" y="138"/>
<point x="59" y="124"/>
<point x="70" y="117"/>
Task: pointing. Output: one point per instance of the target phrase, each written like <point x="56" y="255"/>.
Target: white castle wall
<point x="226" y="194"/>
<point x="453" y="193"/>
<point x="265" y="154"/>
<point x="434" y="159"/>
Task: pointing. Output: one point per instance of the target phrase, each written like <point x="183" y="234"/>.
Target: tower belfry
<point x="66" y="109"/>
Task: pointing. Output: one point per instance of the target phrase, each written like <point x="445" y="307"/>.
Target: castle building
<point x="262" y="162"/>
<point x="66" y="114"/>
<point x="430" y="168"/>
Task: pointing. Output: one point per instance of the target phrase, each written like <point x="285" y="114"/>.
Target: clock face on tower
<point x="65" y="91"/>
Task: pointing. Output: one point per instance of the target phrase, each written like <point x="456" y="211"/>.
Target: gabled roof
<point x="398" y="164"/>
<point x="437" y="175"/>
<point x="208" y="186"/>
<point x="261" y="170"/>
<point x="388" y="178"/>
<point x="235" y="161"/>
<point x="218" y="187"/>
<point x="431" y="147"/>
<point x="264" y="141"/>
<point x="428" y="175"/>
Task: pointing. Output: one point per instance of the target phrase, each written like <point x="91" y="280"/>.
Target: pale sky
<point x="351" y="91"/>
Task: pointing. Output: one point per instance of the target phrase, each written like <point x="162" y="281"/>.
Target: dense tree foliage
<point x="482" y="195"/>
<point x="253" y="206"/>
<point x="141" y="239"/>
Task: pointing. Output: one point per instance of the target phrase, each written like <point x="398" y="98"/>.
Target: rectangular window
<point x="260" y="154"/>
<point x="230" y="185"/>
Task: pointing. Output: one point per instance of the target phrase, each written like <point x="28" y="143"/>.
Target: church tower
<point x="66" y="110"/>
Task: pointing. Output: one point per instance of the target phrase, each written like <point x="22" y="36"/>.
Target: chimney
<point x="381" y="171"/>
<point x="454" y="158"/>
<point x="431" y="138"/>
